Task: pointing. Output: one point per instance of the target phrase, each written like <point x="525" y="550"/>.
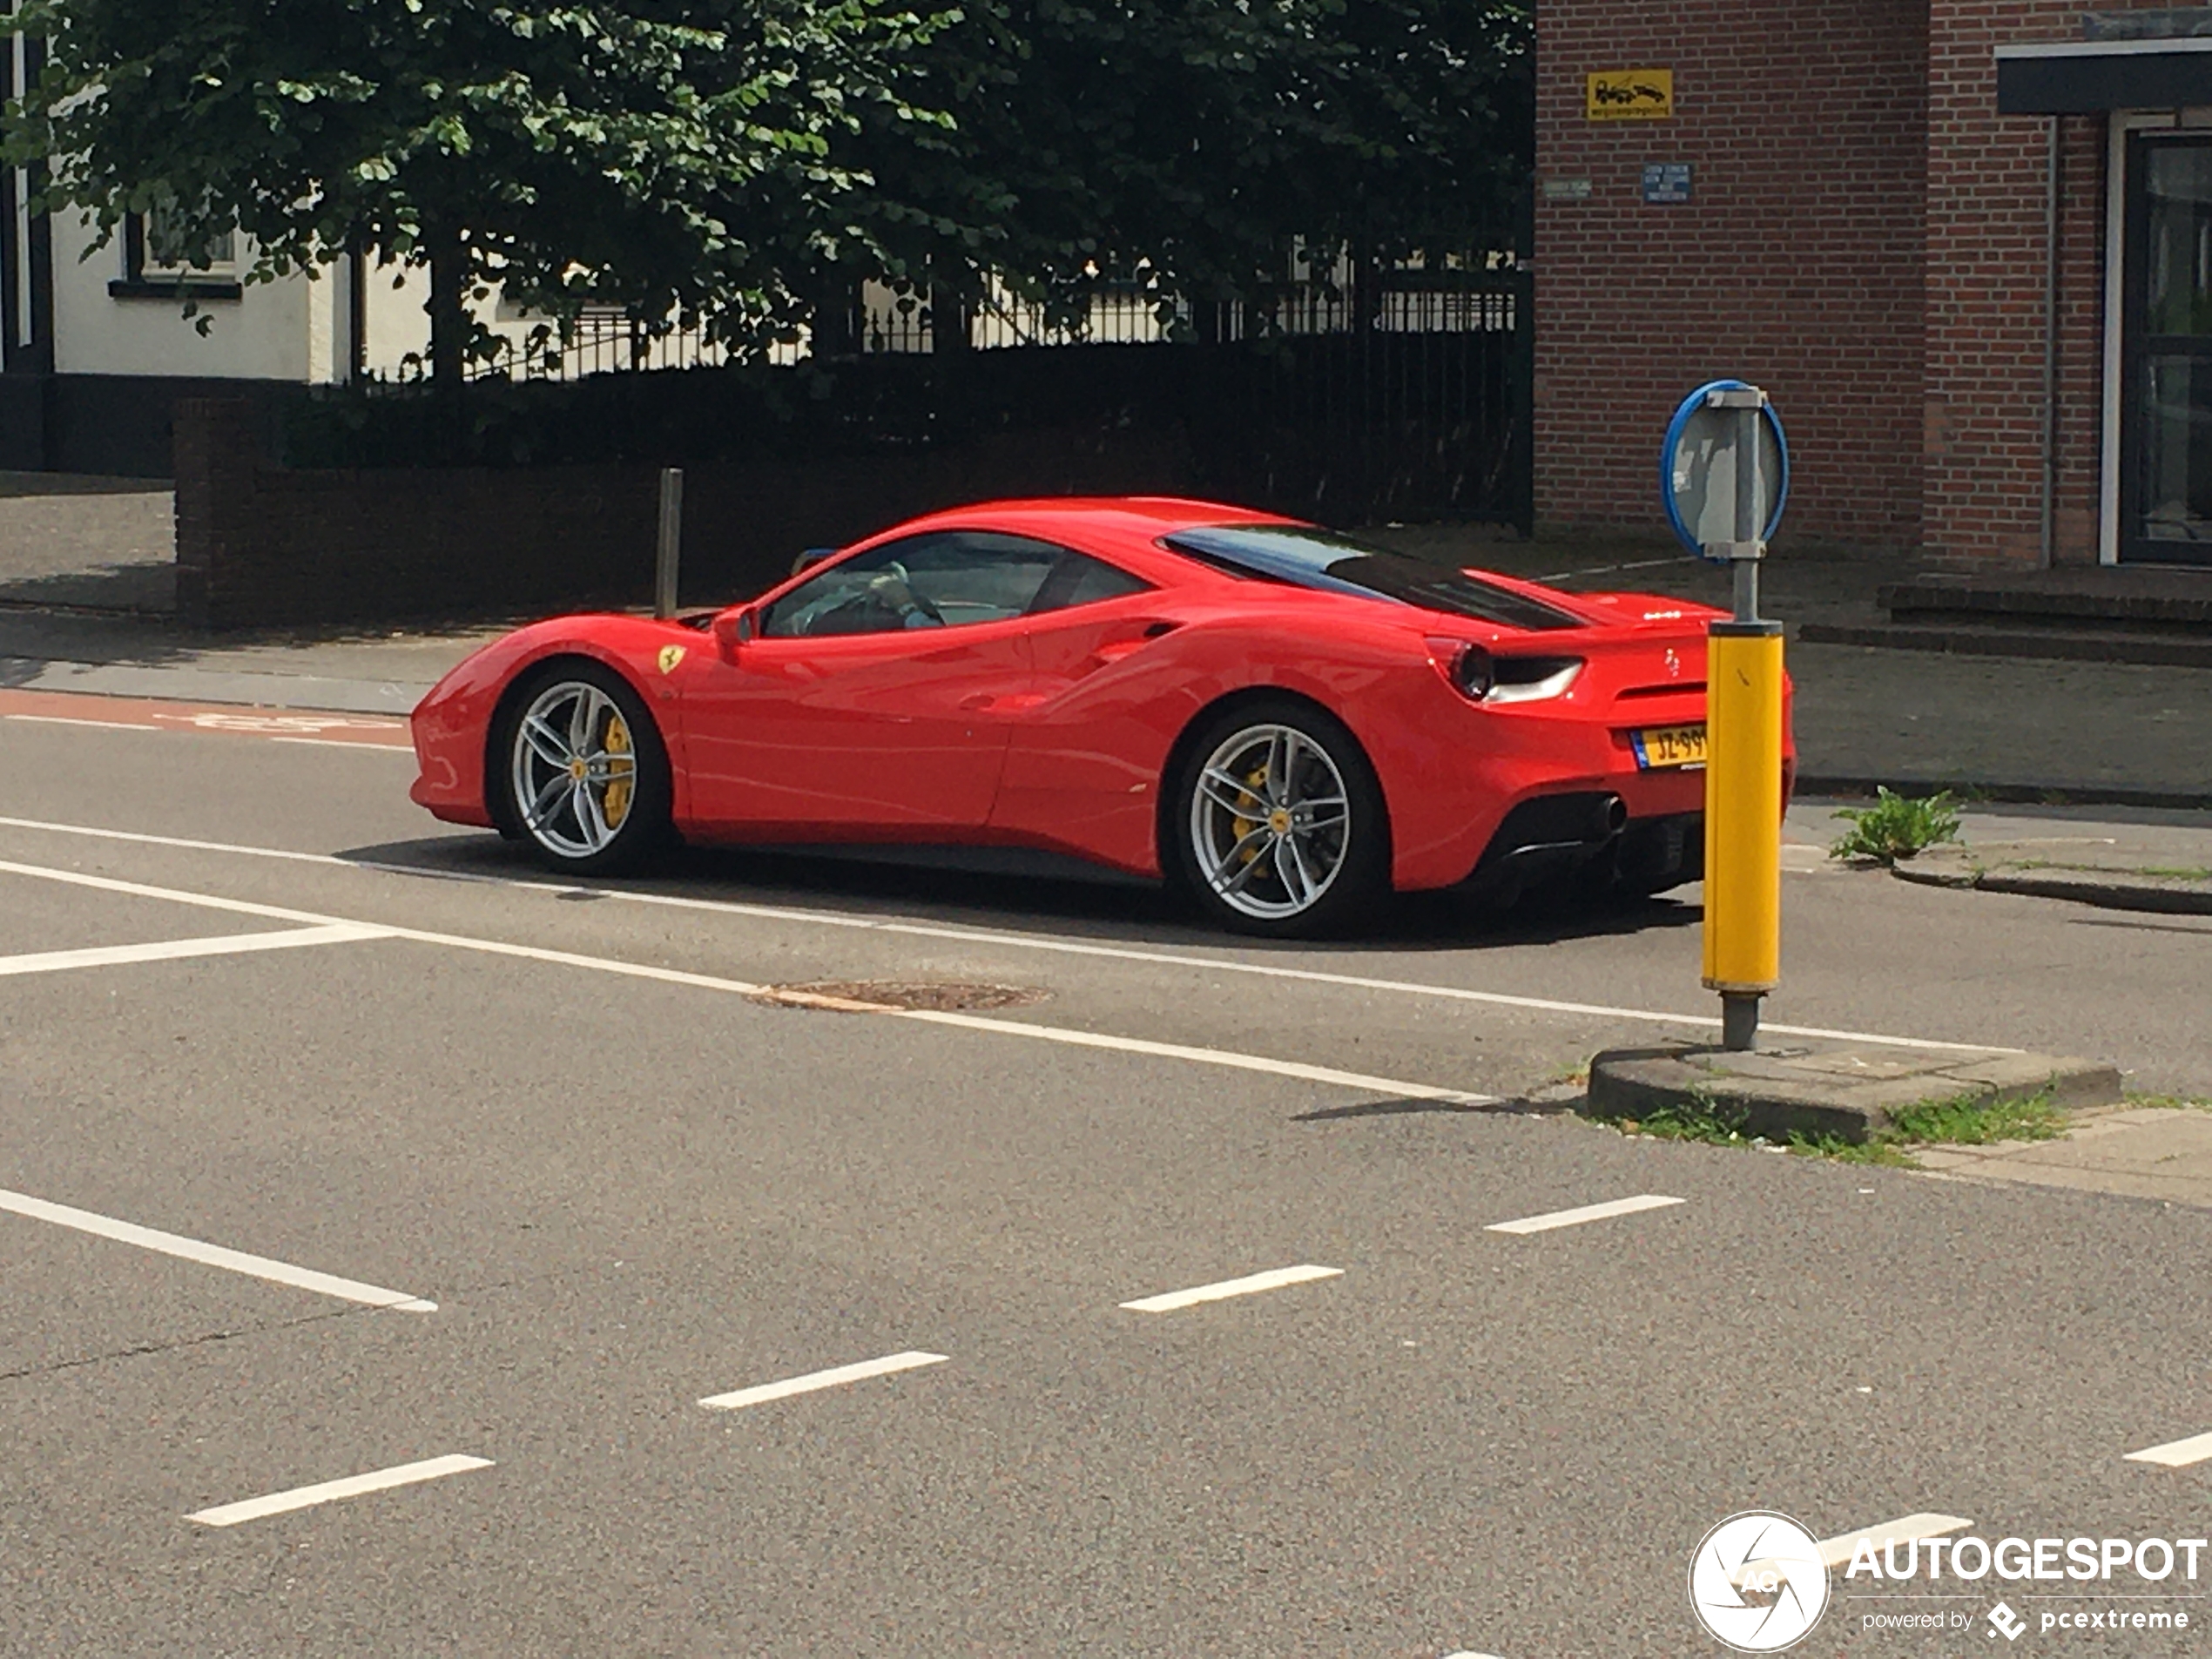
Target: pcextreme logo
<point x="1758" y="1583"/>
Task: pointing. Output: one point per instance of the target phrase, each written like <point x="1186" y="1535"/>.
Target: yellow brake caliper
<point x="614" y="806"/>
<point x="1256" y="804"/>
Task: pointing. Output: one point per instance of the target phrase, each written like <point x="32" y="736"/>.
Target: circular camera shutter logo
<point x="1757" y="1582"/>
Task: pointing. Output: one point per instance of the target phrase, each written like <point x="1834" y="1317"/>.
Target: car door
<point x="1077" y="773"/>
<point x="876" y="697"/>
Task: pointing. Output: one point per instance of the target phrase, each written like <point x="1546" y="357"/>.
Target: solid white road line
<point x="1837" y="1551"/>
<point x="63" y="719"/>
<point x="2175" y="1454"/>
<point x="1251" y="1285"/>
<point x="1388" y="1086"/>
<point x="170" y="950"/>
<point x="406" y="749"/>
<point x="1009" y="941"/>
<point x="352" y="1486"/>
<point x="1588" y="1213"/>
<point x="912" y="1359"/>
<point x="192" y="1250"/>
<point x="1203" y="1056"/>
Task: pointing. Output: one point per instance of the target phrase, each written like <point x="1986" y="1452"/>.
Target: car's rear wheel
<point x="1276" y="826"/>
<point x="583" y="770"/>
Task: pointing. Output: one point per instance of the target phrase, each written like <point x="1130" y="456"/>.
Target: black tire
<point x="1247" y="806"/>
<point x="609" y="830"/>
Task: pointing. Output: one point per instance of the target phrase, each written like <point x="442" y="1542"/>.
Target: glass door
<point x="2165" y="435"/>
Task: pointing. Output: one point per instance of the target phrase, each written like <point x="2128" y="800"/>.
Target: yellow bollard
<point x="1744" y="817"/>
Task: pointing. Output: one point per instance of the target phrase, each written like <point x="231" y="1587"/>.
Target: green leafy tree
<point x="673" y="157"/>
<point x="1184" y="143"/>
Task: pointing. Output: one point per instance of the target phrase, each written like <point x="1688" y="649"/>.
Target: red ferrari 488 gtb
<point x="1284" y="722"/>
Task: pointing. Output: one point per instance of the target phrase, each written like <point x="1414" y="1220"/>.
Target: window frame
<point x="143" y="279"/>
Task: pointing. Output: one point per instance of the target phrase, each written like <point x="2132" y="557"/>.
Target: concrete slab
<point x="1839" y="1091"/>
<point x="2163" y="1153"/>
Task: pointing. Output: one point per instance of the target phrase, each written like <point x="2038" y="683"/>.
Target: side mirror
<point x="733" y="627"/>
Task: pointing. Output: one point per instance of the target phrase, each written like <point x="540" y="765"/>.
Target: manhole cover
<point x="941" y="996"/>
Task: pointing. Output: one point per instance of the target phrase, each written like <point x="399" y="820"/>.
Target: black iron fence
<point x="1408" y="398"/>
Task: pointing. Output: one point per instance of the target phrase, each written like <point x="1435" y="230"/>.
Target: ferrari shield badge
<point x="669" y="656"/>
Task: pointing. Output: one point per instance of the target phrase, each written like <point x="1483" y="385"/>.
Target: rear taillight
<point x="1482" y="677"/>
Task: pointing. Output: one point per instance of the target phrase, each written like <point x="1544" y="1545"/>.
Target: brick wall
<point x="1986" y="271"/>
<point x="1899" y="307"/>
<point x="1797" y="263"/>
<point x="258" y="545"/>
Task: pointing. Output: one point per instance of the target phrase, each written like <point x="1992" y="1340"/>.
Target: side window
<point x="1080" y="580"/>
<point x="938" y="580"/>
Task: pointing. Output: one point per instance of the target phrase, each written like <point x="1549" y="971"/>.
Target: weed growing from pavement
<point x="1897" y="827"/>
<point x="1975" y="1120"/>
<point x="2170" y="1102"/>
<point x="1959" y="1120"/>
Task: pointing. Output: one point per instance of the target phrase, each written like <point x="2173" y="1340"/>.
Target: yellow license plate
<point x="1669" y="746"/>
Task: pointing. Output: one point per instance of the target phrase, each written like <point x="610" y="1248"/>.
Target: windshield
<point x="1330" y="563"/>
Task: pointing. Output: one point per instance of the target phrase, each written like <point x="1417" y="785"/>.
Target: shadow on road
<point x="989" y="887"/>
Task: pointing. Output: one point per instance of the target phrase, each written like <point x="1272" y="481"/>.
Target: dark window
<point x="1330" y="563"/>
<point x="1078" y="580"/>
<point x="937" y="580"/>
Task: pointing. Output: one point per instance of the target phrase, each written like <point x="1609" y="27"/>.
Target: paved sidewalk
<point x="2146" y="1151"/>
<point x="1914" y="720"/>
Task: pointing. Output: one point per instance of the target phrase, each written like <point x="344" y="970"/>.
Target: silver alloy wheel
<point x="575" y="769"/>
<point x="1270" y="822"/>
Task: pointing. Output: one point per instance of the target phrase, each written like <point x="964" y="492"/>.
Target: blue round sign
<point x="1697" y="471"/>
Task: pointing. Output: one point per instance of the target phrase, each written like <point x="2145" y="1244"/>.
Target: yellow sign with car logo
<point x="1629" y="95"/>
<point x="669" y="656"/>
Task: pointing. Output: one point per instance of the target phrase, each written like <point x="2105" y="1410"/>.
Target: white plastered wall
<point x="267" y="333"/>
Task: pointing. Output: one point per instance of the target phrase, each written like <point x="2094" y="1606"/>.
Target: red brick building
<point x="1965" y="243"/>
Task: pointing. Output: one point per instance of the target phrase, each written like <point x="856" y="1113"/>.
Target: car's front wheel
<point x="1277" y="825"/>
<point x="584" y="771"/>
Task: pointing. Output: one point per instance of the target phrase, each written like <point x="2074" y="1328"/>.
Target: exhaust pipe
<point x="1610" y="818"/>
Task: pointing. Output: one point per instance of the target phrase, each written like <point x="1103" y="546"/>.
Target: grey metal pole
<point x="671" y="540"/>
<point x="1744" y="567"/>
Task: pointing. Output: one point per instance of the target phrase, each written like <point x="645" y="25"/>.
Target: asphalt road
<point x="523" y="1173"/>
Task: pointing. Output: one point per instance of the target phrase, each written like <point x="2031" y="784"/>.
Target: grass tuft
<point x="1975" y="1120"/>
<point x="1897" y="827"/>
<point x="1957" y="1120"/>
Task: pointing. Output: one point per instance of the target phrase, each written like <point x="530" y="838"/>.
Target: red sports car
<point x="1280" y="720"/>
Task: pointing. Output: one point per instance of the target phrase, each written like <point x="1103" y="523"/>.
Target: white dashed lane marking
<point x="278" y="1503"/>
<point x="1588" y="1212"/>
<point x="192" y="1250"/>
<point x="1249" y="1285"/>
<point x="2175" y="1454"/>
<point x="837" y="1377"/>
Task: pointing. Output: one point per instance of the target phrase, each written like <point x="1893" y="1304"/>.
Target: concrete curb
<point x="2112" y="889"/>
<point x="1814" y="784"/>
<point x="1844" y="1093"/>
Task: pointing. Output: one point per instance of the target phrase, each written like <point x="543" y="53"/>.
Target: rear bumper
<point x="1553" y="836"/>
